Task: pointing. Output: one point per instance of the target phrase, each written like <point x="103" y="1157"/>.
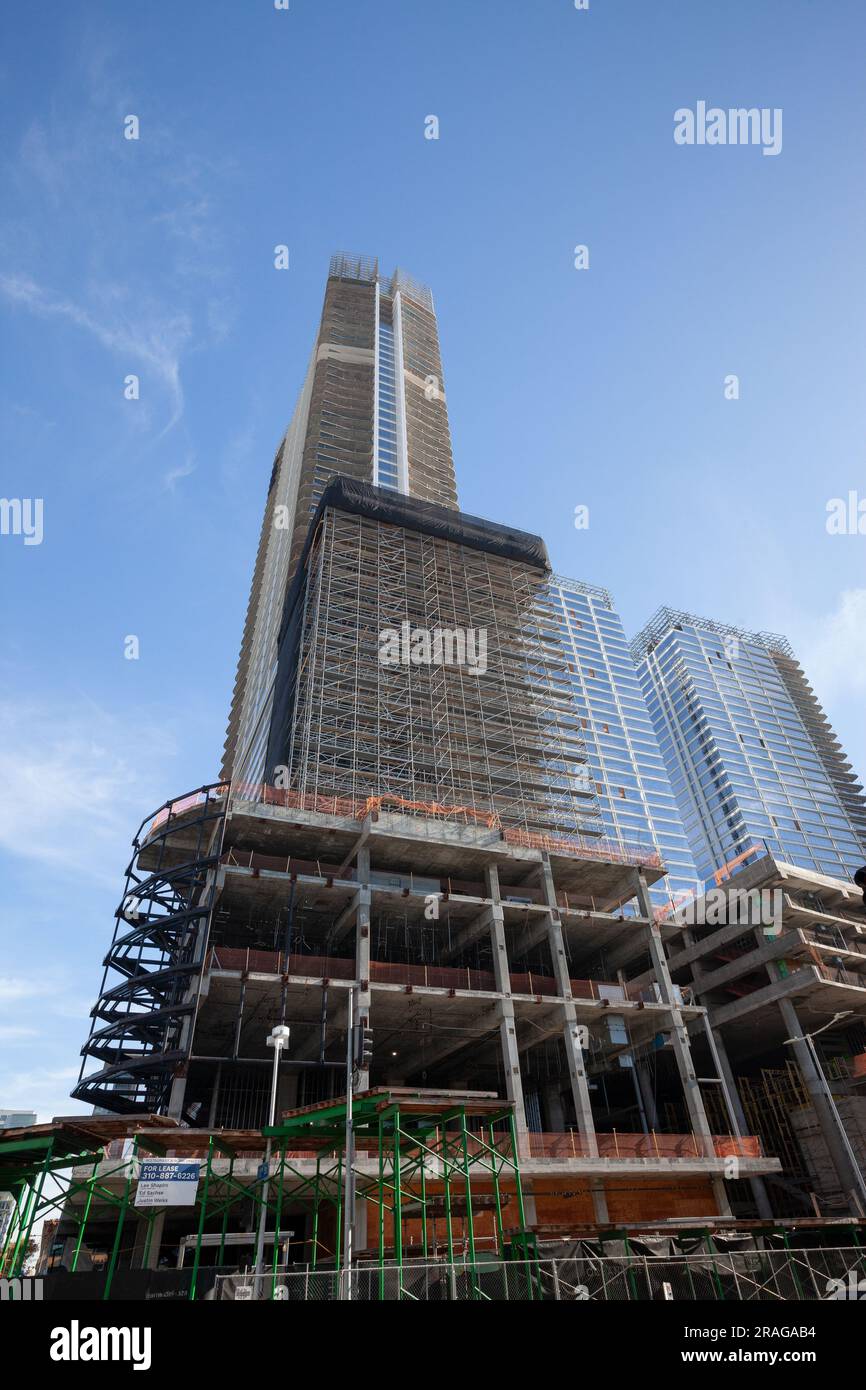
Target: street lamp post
<point x="277" y="1039"/>
<point x="349" y="1158"/>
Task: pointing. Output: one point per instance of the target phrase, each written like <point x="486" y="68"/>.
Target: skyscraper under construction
<point x="408" y="830"/>
<point x="372" y="408"/>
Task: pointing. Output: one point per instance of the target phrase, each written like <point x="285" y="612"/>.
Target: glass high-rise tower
<point x="750" y="753"/>
<point x="623" y="757"/>
<point x="373" y="408"/>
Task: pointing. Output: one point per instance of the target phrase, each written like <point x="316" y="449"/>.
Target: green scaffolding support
<point x="28" y="1166"/>
<point x="410" y="1142"/>
<point x="421" y="1158"/>
<point x="419" y="1155"/>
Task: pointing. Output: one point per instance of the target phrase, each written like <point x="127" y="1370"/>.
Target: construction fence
<point x="815" y="1275"/>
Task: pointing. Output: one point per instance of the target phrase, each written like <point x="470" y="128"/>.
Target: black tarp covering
<point x="393" y="509"/>
<point x="380" y="503"/>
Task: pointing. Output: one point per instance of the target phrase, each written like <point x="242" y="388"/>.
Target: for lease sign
<point x="167" y="1182"/>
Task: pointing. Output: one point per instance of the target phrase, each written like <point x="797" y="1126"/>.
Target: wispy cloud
<point x="142" y="265"/>
<point x="832" y="648"/>
<point x="41" y="1089"/>
<point x="73" y="796"/>
<point x="37" y="1029"/>
<point x="14" y="988"/>
<point x="155" y="342"/>
<point x="11" y="1033"/>
<point x="182" y="470"/>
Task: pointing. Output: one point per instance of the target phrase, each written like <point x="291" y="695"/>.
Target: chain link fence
<point x="769" y="1275"/>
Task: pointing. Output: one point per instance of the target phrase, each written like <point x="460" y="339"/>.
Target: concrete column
<point x="504" y="1005"/>
<point x="155" y="1241"/>
<point x="849" y="1178"/>
<point x="599" y="1202"/>
<point x="362" y="950"/>
<point x="177" y="1095"/>
<point x="731" y="1095"/>
<point x="554" y="1112"/>
<point x="680" y="1041"/>
<point x="573" y="1051"/>
<point x="529" y="1210"/>
<point x="136" y="1260"/>
<point x="645" y="1092"/>
<point x="214" y="1097"/>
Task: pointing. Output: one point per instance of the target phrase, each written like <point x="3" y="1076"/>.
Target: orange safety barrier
<point x="435" y="809"/>
<point x="356" y="809"/>
<point x="270" y="963"/>
<point x="186" y="803"/>
<point x="392" y="972"/>
<point x="725" y="871"/>
<point x="302" y="801"/>
<point x="636" y="1146"/>
<point x="606" y="851"/>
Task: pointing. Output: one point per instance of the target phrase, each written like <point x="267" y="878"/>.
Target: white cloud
<point x="831" y="648"/>
<point x="73" y="797"/>
<point x="12" y="989"/>
<point x="156" y="341"/>
<point x="41" y="1089"/>
<point x="142" y="265"/>
<point x="182" y="470"/>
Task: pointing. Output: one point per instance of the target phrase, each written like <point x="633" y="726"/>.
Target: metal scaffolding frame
<point x="418" y="1155"/>
<point x="506" y="741"/>
<point x="664" y="619"/>
<point x="28" y="1166"/>
<point x="412" y="1149"/>
<point x="421" y="1145"/>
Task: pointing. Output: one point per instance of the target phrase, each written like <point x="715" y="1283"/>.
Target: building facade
<point x="416" y="663"/>
<point x="631" y="781"/>
<point x="770" y="980"/>
<point x="372" y="408"/>
<point x="751" y="756"/>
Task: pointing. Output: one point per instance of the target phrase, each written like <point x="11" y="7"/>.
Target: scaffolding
<point x="666" y="619"/>
<point x="46" y="1171"/>
<point x="499" y="736"/>
<point x="421" y="1158"/>
<point x="432" y="1152"/>
<point x="427" y="1165"/>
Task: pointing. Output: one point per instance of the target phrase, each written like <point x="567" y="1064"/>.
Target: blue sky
<point x="601" y="387"/>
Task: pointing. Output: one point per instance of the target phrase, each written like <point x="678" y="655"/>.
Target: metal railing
<point x="783" y="1275"/>
<point x="405" y="973"/>
<point x="606" y="850"/>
